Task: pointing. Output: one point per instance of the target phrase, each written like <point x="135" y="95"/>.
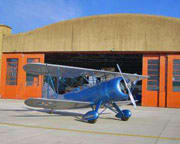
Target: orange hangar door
<point x="32" y="83"/>
<point x="150" y="86"/>
<point x="162" y="88"/>
<point x="15" y="83"/>
<point x="10" y="76"/>
<point x="173" y="81"/>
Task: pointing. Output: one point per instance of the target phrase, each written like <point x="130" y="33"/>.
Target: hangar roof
<point x="120" y="32"/>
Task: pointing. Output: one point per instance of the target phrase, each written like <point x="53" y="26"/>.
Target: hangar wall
<point x="123" y="32"/>
<point x="4" y="31"/>
<point x="157" y="38"/>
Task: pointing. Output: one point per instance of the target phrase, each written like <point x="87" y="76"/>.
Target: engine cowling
<point x="112" y="90"/>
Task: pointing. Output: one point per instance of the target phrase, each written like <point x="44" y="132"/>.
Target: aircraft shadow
<point x="109" y="118"/>
<point x="48" y="113"/>
<point x="15" y="110"/>
<point x="55" y="113"/>
<point x="105" y="118"/>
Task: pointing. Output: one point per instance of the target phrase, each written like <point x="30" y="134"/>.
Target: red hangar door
<point x="162" y="88"/>
<point x="15" y="82"/>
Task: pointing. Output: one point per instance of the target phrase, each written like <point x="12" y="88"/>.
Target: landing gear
<point x="124" y="118"/>
<point x="92" y="116"/>
<point x="124" y="115"/>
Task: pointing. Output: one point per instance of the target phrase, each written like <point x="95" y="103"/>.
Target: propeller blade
<point x="129" y="91"/>
<point x="132" y="98"/>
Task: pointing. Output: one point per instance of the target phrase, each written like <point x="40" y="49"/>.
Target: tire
<point x="124" y="119"/>
<point x="92" y="121"/>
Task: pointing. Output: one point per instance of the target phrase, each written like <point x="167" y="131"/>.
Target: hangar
<point x="143" y="44"/>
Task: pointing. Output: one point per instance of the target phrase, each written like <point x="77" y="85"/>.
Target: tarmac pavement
<point x="20" y="124"/>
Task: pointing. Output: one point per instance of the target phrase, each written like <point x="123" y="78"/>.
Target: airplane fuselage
<point x="106" y="91"/>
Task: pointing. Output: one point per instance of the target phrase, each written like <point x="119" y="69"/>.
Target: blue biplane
<point x="104" y="89"/>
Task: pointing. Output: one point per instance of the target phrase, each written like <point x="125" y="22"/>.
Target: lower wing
<point x="56" y="104"/>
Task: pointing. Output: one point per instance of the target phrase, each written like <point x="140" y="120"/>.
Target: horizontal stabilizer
<point x="56" y="103"/>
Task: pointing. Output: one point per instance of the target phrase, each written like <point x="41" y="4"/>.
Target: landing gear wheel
<point x="126" y="115"/>
<point x="124" y="118"/>
<point x="92" y="121"/>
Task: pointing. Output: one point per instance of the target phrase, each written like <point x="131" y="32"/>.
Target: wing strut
<point x="51" y="81"/>
<point x="58" y="79"/>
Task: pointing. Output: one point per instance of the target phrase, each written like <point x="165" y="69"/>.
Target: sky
<point x="26" y="15"/>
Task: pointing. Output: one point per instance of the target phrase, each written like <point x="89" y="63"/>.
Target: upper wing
<point x="71" y="72"/>
<point x="56" y="104"/>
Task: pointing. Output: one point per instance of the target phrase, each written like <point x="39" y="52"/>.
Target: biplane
<point x="100" y="88"/>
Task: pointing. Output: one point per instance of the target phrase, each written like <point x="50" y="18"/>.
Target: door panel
<point x="173" y="82"/>
<point x="16" y="84"/>
<point x="33" y="83"/>
<point x="161" y="89"/>
<point x="150" y="86"/>
<point x="10" y="75"/>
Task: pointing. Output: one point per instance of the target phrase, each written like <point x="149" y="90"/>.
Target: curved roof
<point x="5" y="30"/>
<point x="2" y="25"/>
<point x="121" y="32"/>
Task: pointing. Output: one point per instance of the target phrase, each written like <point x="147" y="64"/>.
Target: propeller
<point x="129" y="91"/>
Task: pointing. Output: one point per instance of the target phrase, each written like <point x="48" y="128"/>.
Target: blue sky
<point x="26" y="15"/>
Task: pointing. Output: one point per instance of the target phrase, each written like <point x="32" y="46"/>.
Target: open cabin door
<point x="15" y="83"/>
